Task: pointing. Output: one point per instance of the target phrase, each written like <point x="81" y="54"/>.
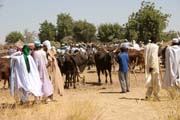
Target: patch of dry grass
<point x="76" y="110"/>
<point x="174" y="95"/>
<point x="85" y="110"/>
<point x="169" y="106"/>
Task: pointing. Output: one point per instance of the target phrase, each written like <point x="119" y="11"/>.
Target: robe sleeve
<point x="16" y="55"/>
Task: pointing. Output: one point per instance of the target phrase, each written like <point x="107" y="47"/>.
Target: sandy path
<point x="116" y="105"/>
<point x="112" y="104"/>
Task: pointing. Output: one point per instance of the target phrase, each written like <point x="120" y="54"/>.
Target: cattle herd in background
<point x="73" y="59"/>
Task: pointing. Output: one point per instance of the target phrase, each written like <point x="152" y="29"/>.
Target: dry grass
<point x="85" y="110"/>
<point x="169" y="106"/>
<point x="174" y="95"/>
<point x="74" y="110"/>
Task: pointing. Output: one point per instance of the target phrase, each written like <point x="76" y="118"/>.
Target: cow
<point x="103" y="62"/>
<point x="136" y="58"/>
<point x="68" y="67"/>
<point x="71" y="65"/>
<point x="5" y="70"/>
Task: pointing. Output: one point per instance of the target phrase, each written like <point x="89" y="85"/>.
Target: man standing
<point x="152" y="69"/>
<point x="41" y="62"/>
<point x="123" y="60"/>
<point x="53" y="69"/>
<point x="26" y="77"/>
<point x="172" y="72"/>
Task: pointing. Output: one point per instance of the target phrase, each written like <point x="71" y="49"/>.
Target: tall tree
<point x="147" y="22"/>
<point x="13" y="37"/>
<point x="108" y="32"/>
<point x="47" y="31"/>
<point x="84" y="31"/>
<point x="64" y="26"/>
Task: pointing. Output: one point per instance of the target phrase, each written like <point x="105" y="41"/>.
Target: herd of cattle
<point x="72" y="64"/>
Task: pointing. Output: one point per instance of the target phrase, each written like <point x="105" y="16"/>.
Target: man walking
<point x="172" y="72"/>
<point x="152" y="69"/>
<point x="41" y="62"/>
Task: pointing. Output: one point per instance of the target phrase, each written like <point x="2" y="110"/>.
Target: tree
<point x="147" y="22"/>
<point x="84" y="31"/>
<point x="109" y="32"/>
<point x="13" y="37"/>
<point x="47" y="31"/>
<point x="64" y="26"/>
<point x="166" y="36"/>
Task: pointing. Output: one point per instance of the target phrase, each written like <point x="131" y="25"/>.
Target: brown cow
<point x="136" y="59"/>
<point x="5" y="70"/>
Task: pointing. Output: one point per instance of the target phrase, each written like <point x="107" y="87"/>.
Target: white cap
<point x="175" y="40"/>
<point x="179" y="39"/>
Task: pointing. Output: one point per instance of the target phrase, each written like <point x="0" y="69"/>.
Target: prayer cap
<point x="37" y="43"/>
<point x="175" y="40"/>
<point x="47" y="44"/>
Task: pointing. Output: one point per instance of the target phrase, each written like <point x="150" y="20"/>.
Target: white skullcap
<point x="179" y="39"/>
<point x="47" y="44"/>
<point x="175" y="40"/>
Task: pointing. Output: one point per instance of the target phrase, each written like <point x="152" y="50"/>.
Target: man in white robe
<point x="152" y="69"/>
<point x="41" y="61"/>
<point x="172" y="72"/>
<point x="26" y="76"/>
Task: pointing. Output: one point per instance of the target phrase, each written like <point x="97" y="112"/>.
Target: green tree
<point x="64" y="26"/>
<point x="108" y="32"/>
<point x="13" y="37"/>
<point x="147" y="22"/>
<point x="84" y="31"/>
<point x="47" y="31"/>
<point x="166" y="36"/>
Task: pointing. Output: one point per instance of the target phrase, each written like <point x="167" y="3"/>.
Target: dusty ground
<point x="103" y="102"/>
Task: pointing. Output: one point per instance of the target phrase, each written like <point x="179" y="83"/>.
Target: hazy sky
<point x="18" y="15"/>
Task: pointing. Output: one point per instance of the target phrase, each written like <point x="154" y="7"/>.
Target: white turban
<point x="175" y="40"/>
<point x="179" y="39"/>
<point x="47" y="44"/>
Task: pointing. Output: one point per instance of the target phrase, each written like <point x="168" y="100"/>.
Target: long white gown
<point x="172" y="72"/>
<point x="26" y="82"/>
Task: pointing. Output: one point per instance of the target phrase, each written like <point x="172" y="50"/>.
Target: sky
<point x="18" y="15"/>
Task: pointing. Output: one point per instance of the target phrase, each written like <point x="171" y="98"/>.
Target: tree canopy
<point x="47" y="31"/>
<point x="84" y="31"/>
<point x="64" y="26"/>
<point x="13" y="37"/>
<point x="108" y="32"/>
<point x="147" y="22"/>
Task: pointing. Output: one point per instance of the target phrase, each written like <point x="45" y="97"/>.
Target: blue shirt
<point x="123" y="62"/>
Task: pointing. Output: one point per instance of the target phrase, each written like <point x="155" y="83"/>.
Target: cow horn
<point x="114" y="51"/>
<point x="105" y="50"/>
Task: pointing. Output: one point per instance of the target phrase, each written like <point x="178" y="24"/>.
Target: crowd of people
<point x="35" y="72"/>
<point x="153" y="73"/>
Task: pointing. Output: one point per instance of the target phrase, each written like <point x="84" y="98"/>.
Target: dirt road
<point x="104" y="101"/>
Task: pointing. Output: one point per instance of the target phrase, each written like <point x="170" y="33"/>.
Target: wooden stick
<point x="160" y="71"/>
<point x="135" y="77"/>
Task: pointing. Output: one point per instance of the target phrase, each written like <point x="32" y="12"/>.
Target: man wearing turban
<point x="26" y="79"/>
<point x="53" y="69"/>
